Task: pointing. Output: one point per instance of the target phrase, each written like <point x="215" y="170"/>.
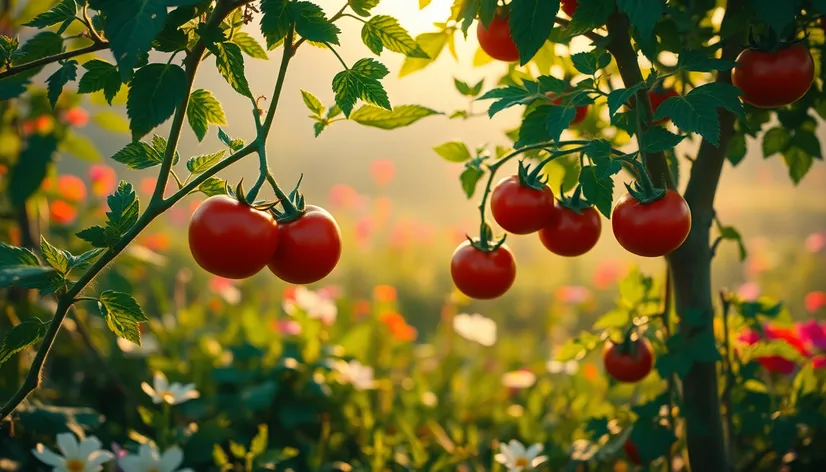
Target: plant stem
<point x="338" y="56"/>
<point x="728" y="380"/>
<point x="52" y="59"/>
<point x="666" y="319"/>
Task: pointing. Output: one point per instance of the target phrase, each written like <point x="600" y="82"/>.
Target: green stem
<point x="728" y="381"/>
<point x="331" y="48"/>
<point x="348" y="15"/>
<point x="52" y="59"/>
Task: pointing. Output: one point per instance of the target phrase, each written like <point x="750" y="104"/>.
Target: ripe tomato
<point x="581" y="112"/>
<point x="496" y="39"/>
<point x="653" y="229"/>
<point x="570" y="233"/>
<point x="631" y="452"/>
<point x="630" y="366"/>
<point x="774" y="79"/>
<point x="570" y="6"/>
<point x="657" y="97"/>
<point x="231" y="239"/>
<point x="309" y="248"/>
<point x="520" y="209"/>
<point x="482" y="275"/>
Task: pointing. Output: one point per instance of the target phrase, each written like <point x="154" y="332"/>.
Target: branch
<point x="52" y="59"/>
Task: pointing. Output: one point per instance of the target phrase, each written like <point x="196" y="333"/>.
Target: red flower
<point x="61" y="212"/>
<point x="813" y="334"/>
<point x="815" y="301"/>
<point x="103" y="179"/>
<point x="71" y="188"/>
<point x="76" y="116"/>
<point x="777" y="363"/>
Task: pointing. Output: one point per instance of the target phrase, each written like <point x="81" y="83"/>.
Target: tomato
<point x="570" y="6"/>
<point x="309" y="249"/>
<point x="570" y="233"/>
<point x="651" y="229"/>
<point x="631" y="452"/>
<point x="774" y="79"/>
<point x="482" y="275"/>
<point x="631" y="366"/>
<point x="581" y="112"/>
<point x="520" y="209"/>
<point x="496" y="40"/>
<point x="231" y="239"/>
<point x="657" y="97"/>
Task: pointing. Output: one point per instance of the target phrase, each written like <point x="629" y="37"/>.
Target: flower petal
<point x="517" y="448"/>
<point x="97" y="459"/>
<point x="147" y="389"/>
<point x="507" y="452"/>
<point x="171" y="459"/>
<point x="46" y="456"/>
<point x="160" y="382"/>
<point x="131" y="464"/>
<point x="88" y="446"/>
<point x="67" y="443"/>
<point x="539" y="461"/>
<point x="533" y="451"/>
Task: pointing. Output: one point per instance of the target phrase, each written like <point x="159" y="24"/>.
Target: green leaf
<point x="730" y="233"/>
<point x="204" y="109"/>
<point x="736" y="149"/>
<point x="311" y="23"/>
<point x="590" y="14"/>
<point x="487" y="11"/>
<point x="8" y="46"/>
<point x="100" y="75"/>
<point x="453" y="151"/>
<point x="614" y="319"/>
<point x="529" y="25"/>
<point x="590" y="62"/>
<point x="470" y="178"/>
<point x="599" y="150"/>
<point x="363" y="7"/>
<point x="509" y="96"/>
<point x="16" y="256"/>
<point x="86" y="259"/>
<point x="702" y="347"/>
<point x="432" y="44"/>
<point x="138" y="155"/>
<point x="62" y="76"/>
<point x="312" y="103"/>
<point x="155" y="92"/>
<point x="258" y="445"/>
<point x="44" y="279"/>
<point x="620" y="97"/>
<point x="122" y="314"/>
<point x="199" y="164"/>
<point x="159" y="144"/>
<point x="56" y="258"/>
<point x="652" y="440"/>
<point x="534" y="128"/>
<point x="807" y="142"/>
<point x="697" y="110"/>
<point x="778" y="15"/>
<point x="13" y="87"/>
<point x="775" y="140"/>
<point x="63" y="12"/>
<point x="233" y="144"/>
<point x="698" y="61"/>
<point x="398" y="117"/>
<point x="249" y="45"/>
<point x="43" y="44"/>
<point x="559" y="119"/>
<point x="659" y="139"/>
<point x="798" y="163"/>
<point x="237" y="450"/>
<point x="20" y="337"/>
<point x="131" y="27"/>
<point x="219" y="456"/>
<point x="643" y="14"/>
<point x="275" y="21"/>
<point x="466" y="89"/>
<point x="672" y="363"/>
<point x="122" y="215"/>
<point x="383" y="31"/>
<point x="598" y="191"/>
<point x="213" y="186"/>
<point x="230" y="64"/>
<point x="31" y="167"/>
<point x="361" y="81"/>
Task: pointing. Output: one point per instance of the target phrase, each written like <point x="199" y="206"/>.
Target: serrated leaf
<point x="697" y="61"/>
<point x="20" y="337"/>
<point x="778" y="15"/>
<point x="43" y="44"/>
<point x="62" y="12"/>
<point x="798" y="162"/>
<point x="31" y="167"/>
<point x="470" y="178"/>
<point x="643" y="14"/>
<point x="312" y="103"/>
<point x="534" y="128"/>
<point x="16" y="256"/>
<point x="590" y="62"/>
<point x="558" y="120"/>
<point x="45" y="279"/>
<point x="138" y="155"/>
<point x="100" y="75"/>
<point x="620" y="97"/>
<point x="697" y="110"/>
<point x="233" y="144"/>
<point x="736" y="149"/>
<point x="598" y="191"/>
<point x="599" y="150"/>
<point x="213" y="186"/>
<point x="199" y="164"/>
<point x="230" y="64"/>
<point x="361" y="81"/>
<point x="432" y="45"/>
<point x="94" y="235"/>
<point x="122" y="314"/>
<point x="530" y="25"/>
<point x="66" y="73"/>
<point x="249" y="45"/>
<point x="56" y="258"/>
<point x="398" y="117"/>
<point x="383" y="31"/>
<point x="155" y="92"/>
<point x="507" y="97"/>
<point x="310" y="23"/>
<point x="807" y="142"/>
<point x="466" y="89"/>
<point x="590" y="14"/>
<point x="204" y="109"/>
<point x="122" y="215"/>
<point x="86" y="259"/>
<point x="673" y="363"/>
<point x="275" y="21"/>
<point x="659" y="139"/>
<point x="453" y="151"/>
<point x="775" y="140"/>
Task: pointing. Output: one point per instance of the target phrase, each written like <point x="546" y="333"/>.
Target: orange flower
<point x="590" y="371"/>
<point x="61" y="212"/>
<point x="383" y="171"/>
<point x="44" y="124"/>
<point x="361" y="309"/>
<point x="103" y="179"/>
<point x="71" y="187"/>
<point x="76" y="116"/>
<point x="385" y="293"/>
<point x="399" y="328"/>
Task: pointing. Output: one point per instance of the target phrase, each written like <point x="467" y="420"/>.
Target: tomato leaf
<point x="56" y="258"/>
<point x="361" y="81"/>
<point x="643" y="14"/>
<point x="204" y="109"/>
<point x="697" y="110"/>
<point x="213" y="186"/>
<point x="530" y="25"/>
<point x="468" y="90"/>
<point x="509" y="96"/>
<point x="122" y="314"/>
<point x="31" y="167"/>
<point x="534" y="128"/>
<point x="775" y="140"/>
<point x="698" y="61"/>
<point x="559" y="119"/>
<point x="651" y="439"/>
<point x="598" y="190"/>
<point x="155" y="92"/>
<point x="312" y="103"/>
<point x="702" y="347"/>
<point x="620" y="97"/>
<point x="230" y="64"/>
<point x="736" y="149"/>
<point x="138" y="155"/>
<point x="383" y="31"/>
<point x="470" y="177"/>
<point x="798" y="162"/>
<point x="453" y="151"/>
<point x="590" y="62"/>
<point x="249" y="45"/>
<point x="16" y="256"/>
<point x="20" y="337"/>
<point x="311" y="23"/>
<point x="807" y="142"/>
<point x="199" y="164"/>
<point x="66" y="73"/>
<point x="363" y="7"/>
<point x="100" y="75"/>
<point x="124" y="208"/>
<point x="63" y="12"/>
<point x="275" y="21"/>
<point x="659" y="139"/>
<point x="487" y="11"/>
<point x="778" y="15"/>
<point x="599" y="150"/>
<point x="590" y="14"/>
<point x="432" y="45"/>
<point x="398" y="117"/>
<point x="234" y="144"/>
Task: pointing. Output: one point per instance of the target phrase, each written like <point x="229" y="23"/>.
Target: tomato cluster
<point x="232" y="239"/>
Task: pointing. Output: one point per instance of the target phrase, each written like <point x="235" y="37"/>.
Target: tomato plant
<point x="581" y="112"/>
<point x="651" y="229"/>
<point x="482" y="274"/>
<point x="520" y="208"/>
<point x="496" y="41"/>
<point x="630" y="361"/>
<point x="230" y="238"/>
<point x="658" y="96"/>
<point x="771" y="79"/>
<point x="572" y="232"/>
<point x="309" y="247"/>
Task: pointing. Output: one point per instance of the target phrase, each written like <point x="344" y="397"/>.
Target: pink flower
<point x="815" y="300"/>
<point x="573" y="294"/>
<point x="288" y="326"/>
<point x="342" y="196"/>
<point x="816" y="242"/>
<point x="331" y="292"/>
<point x="607" y="273"/>
<point x="777" y="363"/>
<point x="812" y="334"/>
<point x="226" y="289"/>
<point x="76" y="116"/>
<point x="364" y="230"/>
<point x="383" y="171"/>
<point x="103" y="179"/>
<point x="749" y="291"/>
<point x="819" y="362"/>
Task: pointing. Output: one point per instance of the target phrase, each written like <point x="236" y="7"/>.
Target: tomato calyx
<point x="771" y="43"/>
<point x="486" y="242"/>
<point x="643" y="190"/>
<point x="531" y="178"/>
<point x="239" y="194"/>
<point x="575" y="202"/>
<point x="293" y="207"/>
<point x="629" y="346"/>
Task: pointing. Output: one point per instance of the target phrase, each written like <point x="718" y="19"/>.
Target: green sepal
<point x="576" y="202"/>
<point x="645" y="195"/>
<point x="531" y="178"/>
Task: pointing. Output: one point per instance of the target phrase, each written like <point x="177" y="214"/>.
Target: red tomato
<point x="631" y="366"/>
<point x="482" y="275"/>
<point x="658" y="97"/>
<point x="653" y="229"/>
<point x="774" y="79"/>
<point x="496" y="40"/>
<point x="581" y="112"/>
<point x="631" y="452"/>
<point x="519" y="209"/>
<point x="231" y="239"/>
<point x="570" y="233"/>
<point x="309" y="248"/>
<point x="570" y="6"/>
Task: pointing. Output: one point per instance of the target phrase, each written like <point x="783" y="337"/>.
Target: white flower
<point x="149" y="459"/>
<point x="357" y="374"/>
<point x="314" y="305"/>
<point x="162" y="391"/>
<point x="475" y="328"/>
<point x="514" y="456"/>
<point x="86" y="456"/>
<point x="149" y="345"/>
<point x="556" y="367"/>
<point x="518" y="379"/>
